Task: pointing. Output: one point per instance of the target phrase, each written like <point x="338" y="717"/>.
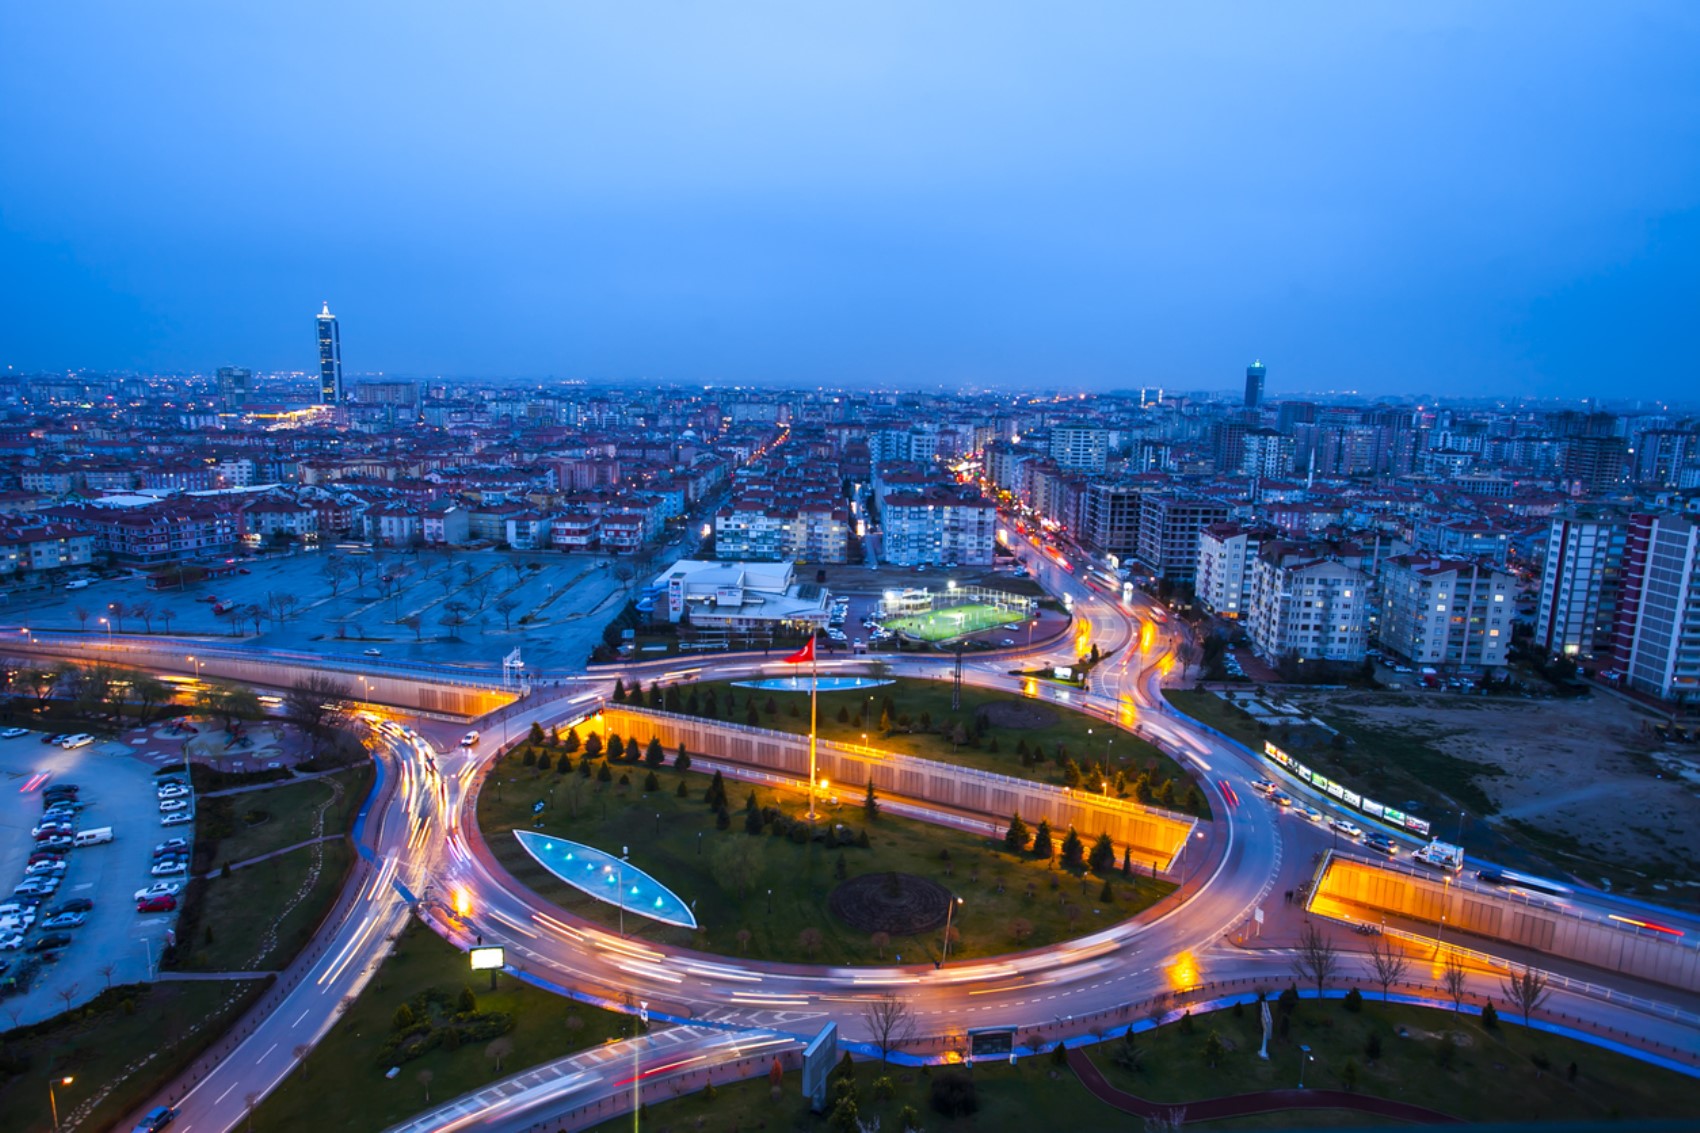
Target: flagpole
<point x="814" y="687"/>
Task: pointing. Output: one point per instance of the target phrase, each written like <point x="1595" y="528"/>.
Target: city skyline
<point x="1504" y="203"/>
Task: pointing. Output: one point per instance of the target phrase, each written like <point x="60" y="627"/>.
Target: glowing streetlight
<point x="108" y="626"/>
<point x="53" y="1099"/>
<point x="949" y="912"/>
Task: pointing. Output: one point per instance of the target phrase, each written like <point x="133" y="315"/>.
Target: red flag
<point x="803" y="656"/>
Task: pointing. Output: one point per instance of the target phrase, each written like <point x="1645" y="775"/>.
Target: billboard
<point x="486" y="958"/>
<point x="1350" y="797"/>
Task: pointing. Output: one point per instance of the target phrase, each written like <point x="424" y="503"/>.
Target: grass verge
<point x="269" y="819"/>
<point x="1009" y="903"/>
<point x="350" y="1062"/>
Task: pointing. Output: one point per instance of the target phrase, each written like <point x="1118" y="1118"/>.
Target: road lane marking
<point x="297" y="1022"/>
<point x="269" y="1049"/>
<point x="226" y="1093"/>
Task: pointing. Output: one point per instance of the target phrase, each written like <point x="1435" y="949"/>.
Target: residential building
<point x="27" y="547"/>
<point x="1306" y="605"/>
<point x="1080" y="448"/>
<point x="1169" y="527"/>
<point x="1226" y="552"/>
<point x="1448" y="613"/>
<point x="1664" y="654"/>
<point x="1580" y="580"/>
<point x="1109" y="522"/>
<point x="937" y="527"/>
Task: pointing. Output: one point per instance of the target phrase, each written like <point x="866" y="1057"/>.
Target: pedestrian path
<point x="256" y="860"/>
<point x="1246" y="1105"/>
<point x="167" y="977"/>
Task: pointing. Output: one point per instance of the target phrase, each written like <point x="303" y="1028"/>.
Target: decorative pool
<point x="801" y="684"/>
<point x="607" y="878"/>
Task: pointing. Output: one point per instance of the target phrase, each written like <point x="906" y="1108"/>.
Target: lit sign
<point x="484" y="959"/>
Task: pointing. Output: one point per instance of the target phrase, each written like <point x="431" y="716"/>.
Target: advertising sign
<point x="486" y="959"/>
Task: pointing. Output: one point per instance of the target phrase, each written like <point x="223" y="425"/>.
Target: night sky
<point x="1447" y="198"/>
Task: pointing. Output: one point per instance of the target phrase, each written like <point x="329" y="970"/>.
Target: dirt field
<point x="1580" y="780"/>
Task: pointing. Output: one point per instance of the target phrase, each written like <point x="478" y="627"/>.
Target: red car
<point x="164" y="903"/>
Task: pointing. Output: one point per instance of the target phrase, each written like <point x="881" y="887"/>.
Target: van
<point x="81" y="739"/>
<point x="77" y="584"/>
<point x="93" y="837"/>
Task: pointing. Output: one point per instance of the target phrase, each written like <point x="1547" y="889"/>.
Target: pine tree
<point x="572" y="743"/>
<point x="564" y="764"/>
<point x="693" y="702"/>
<point x="653" y="754"/>
<point x="751" y="716"/>
<point x="1127" y="862"/>
<point x="651" y="783"/>
<point x="711" y="706"/>
<point x="670" y="699"/>
<point x="603" y="775"/>
<point x="750" y="804"/>
<point x="619" y="696"/>
<point x="657" y="698"/>
<point x="752" y="822"/>
<point x="543" y="762"/>
<point x="593" y="746"/>
<point x="843" y="713"/>
<point x="1103" y="856"/>
<point x="684" y="791"/>
<point x="1073" y="852"/>
<point x="716" y="796"/>
<point x="1042" y="844"/>
<point x="616" y="748"/>
<point x="1016" y="837"/>
<point x="682" y="761"/>
<point x="536" y="734"/>
<point x="871" y="804"/>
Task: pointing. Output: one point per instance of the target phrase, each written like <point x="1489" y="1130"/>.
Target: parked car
<point x="74" y="905"/>
<point x="177" y="818"/>
<point x="171" y="846"/>
<point x="169" y="867"/>
<point x="163" y="903"/>
<point x="159" y="889"/>
<point x="64" y="920"/>
<point x="14" y="733"/>
<point x="172" y="791"/>
<point x="12" y="943"/>
<point x="54" y="738"/>
<point x="168" y="805"/>
<point x="373" y="652"/>
<point x="50" y="942"/>
<point x="79" y="739"/>
<point x="56" y="842"/>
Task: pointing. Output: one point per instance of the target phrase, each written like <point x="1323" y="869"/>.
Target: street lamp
<point x="950" y="911"/>
<point x="1304" y="1057"/>
<point x="53" y="1099"/>
<point x="624" y="852"/>
<point x="193" y="658"/>
<point x="108" y="626"/>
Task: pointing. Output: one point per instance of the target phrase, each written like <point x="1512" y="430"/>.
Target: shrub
<point x="953" y="1094"/>
<point x="683" y="791"/>
<point x="1490" y="1017"/>
<point x="1354" y="1001"/>
<point x="403" y="1018"/>
<point x="651" y="783"/>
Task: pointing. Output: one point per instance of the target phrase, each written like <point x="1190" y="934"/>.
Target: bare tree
<point x="881" y="941"/>
<point x="1456" y="977"/>
<point x="106" y="971"/>
<point x="480" y="591"/>
<point x="165" y="616"/>
<point x="81" y="613"/>
<point x="316" y="705"/>
<point x="334" y="571"/>
<point x="498" y="1050"/>
<point x="413" y="622"/>
<point x="1388" y="963"/>
<point x="256" y="614"/>
<point x="425" y="1077"/>
<point x="143" y="610"/>
<point x="624" y="573"/>
<point x="1527" y="990"/>
<point x="506" y="608"/>
<point x="454" y="616"/>
<point x="890" y="1022"/>
<point x="67" y="994"/>
<point x="1317" y="960"/>
<point x="117" y="611"/>
<point x="361" y="567"/>
<point x="467" y="573"/>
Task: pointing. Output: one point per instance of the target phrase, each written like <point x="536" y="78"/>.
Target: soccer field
<point x="942" y="625"/>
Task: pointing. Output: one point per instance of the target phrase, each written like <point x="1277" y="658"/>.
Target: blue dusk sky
<point x="1393" y="198"/>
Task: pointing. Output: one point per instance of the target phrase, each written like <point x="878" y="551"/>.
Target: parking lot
<point x="555" y="614"/>
<point x="117" y="791"/>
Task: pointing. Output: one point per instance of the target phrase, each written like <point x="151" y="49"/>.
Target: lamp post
<point x="1304" y="1057"/>
<point x="949" y="912"/>
<point x="108" y="626"/>
<point x="624" y="851"/>
<point x="197" y="662"/>
<point x="53" y="1098"/>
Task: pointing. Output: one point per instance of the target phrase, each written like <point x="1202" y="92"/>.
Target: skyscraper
<point x="233" y="386"/>
<point x="1254" y="385"/>
<point x="330" y="359"/>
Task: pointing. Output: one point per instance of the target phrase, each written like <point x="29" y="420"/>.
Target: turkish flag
<point x="803" y="655"/>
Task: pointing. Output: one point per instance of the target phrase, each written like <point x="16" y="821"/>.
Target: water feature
<point x="801" y="684"/>
<point x="606" y="878"/>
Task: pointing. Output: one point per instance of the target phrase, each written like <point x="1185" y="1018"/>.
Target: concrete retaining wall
<point x="1496" y="916"/>
<point x="1154" y="835"/>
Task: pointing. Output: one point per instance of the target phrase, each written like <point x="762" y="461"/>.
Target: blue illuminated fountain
<point x="607" y="878"/>
<point x="801" y="684"/>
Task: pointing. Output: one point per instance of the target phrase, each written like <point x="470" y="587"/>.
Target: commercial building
<point x="1448" y="613"/>
<point x="233" y="383"/>
<point x="738" y="596"/>
<point x="1254" y="375"/>
<point x="330" y="358"/>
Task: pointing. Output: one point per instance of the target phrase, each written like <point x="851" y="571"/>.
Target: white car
<point x="171" y="846"/>
<point x="173" y="791"/>
<point x="1348" y="828"/>
<point x="168" y="805"/>
<point x="470" y="739"/>
<point x="159" y="889"/>
<point x="177" y="818"/>
<point x="169" y="867"/>
<point x="1311" y="813"/>
<point x="81" y="739"/>
<point x="12" y="943"/>
<point x="14" y="733"/>
<point x="41" y="868"/>
<point x="374" y="652"/>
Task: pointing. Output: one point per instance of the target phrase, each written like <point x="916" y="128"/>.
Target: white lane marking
<point x="226" y="1093"/>
<point x="297" y="1022"/>
<point x="269" y="1049"/>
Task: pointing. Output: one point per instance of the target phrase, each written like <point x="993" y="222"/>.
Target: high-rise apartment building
<point x="1307" y="605"/>
<point x="1446" y="612"/>
<point x="330" y="358"/>
<point x="1225" y="554"/>
<point x="1109" y="521"/>
<point x="1080" y="448"/>
<point x="1168" y="533"/>
<point x="1254" y="375"/>
<point x="1580" y="581"/>
<point x="1664" y="614"/>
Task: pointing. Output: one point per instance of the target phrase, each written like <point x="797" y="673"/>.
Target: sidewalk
<point x="1247" y="1105"/>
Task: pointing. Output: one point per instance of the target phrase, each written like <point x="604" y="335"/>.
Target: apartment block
<point x="1226" y="552"/>
<point x="1109" y="521"/>
<point x="1080" y="448"/>
<point x="1446" y="613"/>
<point x="1169" y="527"/>
<point x="1661" y="611"/>
<point x="1580" y="581"/>
<point x="937" y="527"/>
<point x="1311" y="607"/>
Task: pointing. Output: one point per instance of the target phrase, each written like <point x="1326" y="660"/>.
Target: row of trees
<point x="1073" y="855"/>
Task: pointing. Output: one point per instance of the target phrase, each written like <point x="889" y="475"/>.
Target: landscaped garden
<point x="427" y="1013"/>
<point x="1004" y="732"/>
<point x="857" y="888"/>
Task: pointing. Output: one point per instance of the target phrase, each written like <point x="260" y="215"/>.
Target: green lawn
<point x="957" y="621"/>
<point x="349" y="1064"/>
<point x="924" y="724"/>
<point x="676" y="841"/>
<point x="1493" y="1074"/>
<point x="269" y="819"/>
<point x="1032" y="1095"/>
<point x="134" y="1039"/>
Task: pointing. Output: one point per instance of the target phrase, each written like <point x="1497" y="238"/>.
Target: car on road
<point x="177" y="818"/>
<point x="1263" y="786"/>
<point x="14" y="733"/>
<point x="50" y="942"/>
<point x="166" y="806"/>
<point x="74" y="905"/>
<point x="470" y="739"/>
<point x="155" y="1119"/>
<point x="1281" y="798"/>
<point x="64" y="920"/>
<point x="373" y="652"/>
<point x="1383" y="843"/>
<point x="159" y="889"/>
<point x="1347" y="827"/>
<point x="171" y="846"/>
<point x="164" y="903"/>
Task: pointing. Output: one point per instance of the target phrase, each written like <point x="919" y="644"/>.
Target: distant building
<point x="1450" y="613"/>
<point x="387" y="393"/>
<point x="1080" y="448"/>
<point x="1254" y="375"/>
<point x="233" y="384"/>
<point x="330" y="358"/>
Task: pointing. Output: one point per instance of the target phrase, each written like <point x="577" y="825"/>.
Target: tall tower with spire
<point x="1254" y="374"/>
<point x="330" y="358"/>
